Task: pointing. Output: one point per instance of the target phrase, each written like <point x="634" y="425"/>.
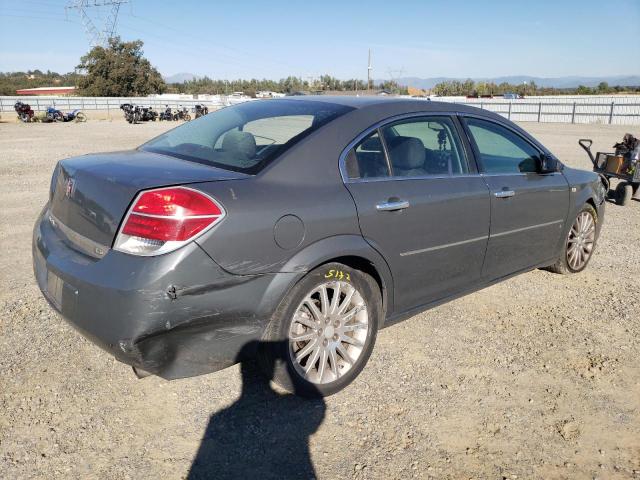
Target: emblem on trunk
<point x="71" y="186"/>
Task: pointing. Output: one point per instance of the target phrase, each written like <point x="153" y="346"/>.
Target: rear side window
<point x="423" y="147"/>
<point x="367" y="159"/>
<point x="501" y="150"/>
<point x="246" y="137"/>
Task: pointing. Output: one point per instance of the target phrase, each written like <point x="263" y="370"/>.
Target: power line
<point x="206" y="40"/>
<point x="97" y="37"/>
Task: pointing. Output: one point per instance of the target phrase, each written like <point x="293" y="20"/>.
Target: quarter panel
<point x="245" y="242"/>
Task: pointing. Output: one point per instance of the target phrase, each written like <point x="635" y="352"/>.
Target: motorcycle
<point x="131" y="112"/>
<point x="201" y="110"/>
<point x="182" y="114"/>
<point x="54" y="115"/>
<point x="148" y="114"/>
<point x="24" y="111"/>
<point x="75" y="116"/>
<point x="166" y="115"/>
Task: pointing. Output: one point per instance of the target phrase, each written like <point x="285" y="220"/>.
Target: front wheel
<point x="580" y="242"/>
<point x="323" y="333"/>
<point x="80" y="117"/>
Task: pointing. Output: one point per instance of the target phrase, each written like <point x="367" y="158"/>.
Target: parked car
<point x="303" y="226"/>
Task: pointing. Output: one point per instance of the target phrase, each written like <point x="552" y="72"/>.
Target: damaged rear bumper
<point x="174" y="315"/>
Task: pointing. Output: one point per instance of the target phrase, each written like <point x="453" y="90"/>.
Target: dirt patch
<point x="537" y="377"/>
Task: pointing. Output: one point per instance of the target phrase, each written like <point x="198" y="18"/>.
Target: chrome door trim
<point x="523" y="229"/>
<point x="477" y="239"/>
<point x="446" y="245"/>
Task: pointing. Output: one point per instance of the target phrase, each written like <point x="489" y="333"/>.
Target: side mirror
<point x="548" y="164"/>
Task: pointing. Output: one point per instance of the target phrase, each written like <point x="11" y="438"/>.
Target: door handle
<point x="390" y="206"/>
<point x="504" y="194"/>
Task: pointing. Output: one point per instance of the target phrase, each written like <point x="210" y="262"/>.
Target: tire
<point x="276" y="355"/>
<point x="565" y="264"/>
<point x="624" y="192"/>
<point x="80" y="117"/>
<point x="187" y="118"/>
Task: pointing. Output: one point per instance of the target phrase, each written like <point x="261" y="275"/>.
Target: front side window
<point x="501" y="150"/>
<point x="423" y="147"/>
<point x="246" y="137"/>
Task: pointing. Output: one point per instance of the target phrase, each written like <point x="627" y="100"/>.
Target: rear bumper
<point x="174" y="315"/>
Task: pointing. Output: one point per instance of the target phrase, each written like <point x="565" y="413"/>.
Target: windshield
<point x="245" y="137"/>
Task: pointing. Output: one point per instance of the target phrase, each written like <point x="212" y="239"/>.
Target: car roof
<point x="411" y="104"/>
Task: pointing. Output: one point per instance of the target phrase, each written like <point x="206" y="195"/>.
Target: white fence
<point x="616" y="110"/>
<point x="622" y="110"/>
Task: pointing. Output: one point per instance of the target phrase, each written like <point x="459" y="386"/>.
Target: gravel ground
<point x="537" y="377"/>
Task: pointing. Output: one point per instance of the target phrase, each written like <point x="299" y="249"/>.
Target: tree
<point x="119" y="70"/>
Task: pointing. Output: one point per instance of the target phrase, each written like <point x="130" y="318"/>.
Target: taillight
<point x="165" y="219"/>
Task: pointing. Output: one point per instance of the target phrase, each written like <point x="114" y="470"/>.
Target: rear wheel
<point x="580" y="243"/>
<point x="323" y="333"/>
<point x="624" y="192"/>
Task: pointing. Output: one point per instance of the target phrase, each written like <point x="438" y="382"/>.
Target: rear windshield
<point x="245" y="137"/>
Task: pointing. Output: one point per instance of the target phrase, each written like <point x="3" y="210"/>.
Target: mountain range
<point x="555" y="82"/>
<point x="180" y="77"/>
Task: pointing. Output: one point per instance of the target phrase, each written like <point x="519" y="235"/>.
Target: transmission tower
<point x="97" y="36"/>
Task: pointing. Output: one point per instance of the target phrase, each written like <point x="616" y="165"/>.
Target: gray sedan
<point x="292" y="230"/>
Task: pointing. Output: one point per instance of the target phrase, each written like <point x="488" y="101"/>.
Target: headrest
<point x="407" y="152"/>
<point x="240" y="144"/>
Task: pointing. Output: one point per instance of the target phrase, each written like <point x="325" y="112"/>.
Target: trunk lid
<point x="91" y="194"/>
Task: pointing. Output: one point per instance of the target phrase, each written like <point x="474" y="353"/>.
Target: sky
<point x="249" y="39"/>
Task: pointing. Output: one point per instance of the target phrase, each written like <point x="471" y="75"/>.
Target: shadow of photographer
<point x="264" y="434"/>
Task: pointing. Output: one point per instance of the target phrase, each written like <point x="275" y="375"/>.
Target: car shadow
<point x="264" y="434"/>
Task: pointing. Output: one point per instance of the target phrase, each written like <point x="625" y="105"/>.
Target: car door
<point x="528" y="209"/>
<point x="422" y="205"/>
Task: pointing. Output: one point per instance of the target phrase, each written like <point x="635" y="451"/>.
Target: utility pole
<point x="97" y="37"/>
<point x="369" y="68"/>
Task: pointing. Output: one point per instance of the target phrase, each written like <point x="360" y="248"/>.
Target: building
<point x="47" y="91"/>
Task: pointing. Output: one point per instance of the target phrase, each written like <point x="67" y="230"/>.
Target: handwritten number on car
<point x="338" y="275"/>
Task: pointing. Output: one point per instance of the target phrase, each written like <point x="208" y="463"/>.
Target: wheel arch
<point x="350" y="250"/>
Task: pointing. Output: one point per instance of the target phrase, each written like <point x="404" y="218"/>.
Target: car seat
<point x="407" y="156"/>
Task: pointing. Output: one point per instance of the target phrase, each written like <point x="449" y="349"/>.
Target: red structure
<point x="47" y="91"/>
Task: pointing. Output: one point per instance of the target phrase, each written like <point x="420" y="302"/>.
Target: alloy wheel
<point x="328" y="332"/>
<point x="581" y="240"/>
